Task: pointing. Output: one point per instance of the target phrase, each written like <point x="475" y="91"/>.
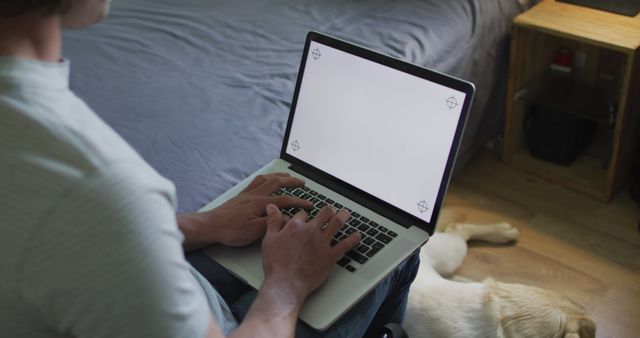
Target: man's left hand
<point x="241" y="220"/>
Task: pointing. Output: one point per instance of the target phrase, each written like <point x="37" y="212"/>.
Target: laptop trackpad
<point x="244" y="262"/>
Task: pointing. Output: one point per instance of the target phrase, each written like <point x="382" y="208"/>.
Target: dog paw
<point x="503" y="233"/>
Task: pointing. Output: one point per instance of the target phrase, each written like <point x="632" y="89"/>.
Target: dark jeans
<point x="385" y="303"/>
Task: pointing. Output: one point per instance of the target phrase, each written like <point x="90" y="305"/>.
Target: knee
<point x="412" y="264"/>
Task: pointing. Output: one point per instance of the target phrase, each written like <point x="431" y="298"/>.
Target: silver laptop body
<point x="373" y="134"/>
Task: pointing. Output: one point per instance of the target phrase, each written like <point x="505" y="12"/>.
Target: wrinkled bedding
<point x="202" y="88"/>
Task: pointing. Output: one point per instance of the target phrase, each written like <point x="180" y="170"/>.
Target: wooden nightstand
<point x="606" y="74"/>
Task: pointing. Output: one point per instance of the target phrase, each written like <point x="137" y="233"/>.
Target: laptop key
<point x="313" y="193"/>
<point x="364" y="219"/>
<point x="305" y="188"/>
<point x="362" y="248"/>
<point x="320" y="205"/>
<point x="392" y="234"/>
<point x="374" y="224"/>
<point x="298" y="193"/>
<point x="354" y="222"/>
<point x="329" y="201"/>
<point x="355" y="214"/>
<point x="313" y="200"/>
<point x="363" y="227"/>
<point x="372" y="232"/>
<point x="368" y="240"/>
<point x="350" y="231"/>
<point x="294" y="210"/>
<point x="337" y="205"/>
<point x="305" y="196"/>
<point x="372" y="252"/>
<point x="356" y="256"/>
<point x="321" y="196"/>
<point x="377" y="245"/>
<point x="344" y="261"/>
<point x="384" y="238"/>
<point x="382" y="229"/>
<point x="333" y="242"/>
<point x="350" y="268"/>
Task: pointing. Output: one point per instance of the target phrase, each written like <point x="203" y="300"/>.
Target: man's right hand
<point x="297" y="258"/>
<point x="297" y="255"/>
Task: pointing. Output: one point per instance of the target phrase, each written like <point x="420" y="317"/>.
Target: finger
<point x="336" y="223"/>
<point x="272" y="184"/>
<point x="260" y="179"/>
<point x="299" y="218"/>
<point x="289" y="201"/>
<point x="275" y="221"/>
<point x="257" y="181"/>
<point x="325" y="214"/>
<point x="346" y="244"/>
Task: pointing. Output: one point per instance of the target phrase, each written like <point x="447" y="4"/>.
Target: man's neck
<point x="32" y="37"/>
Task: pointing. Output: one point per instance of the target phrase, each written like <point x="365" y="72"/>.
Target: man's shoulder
<point x="63" y="130"/>
<point x="51" y="151"/>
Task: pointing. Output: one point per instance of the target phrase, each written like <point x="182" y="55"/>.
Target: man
<point x="89" y="241"/>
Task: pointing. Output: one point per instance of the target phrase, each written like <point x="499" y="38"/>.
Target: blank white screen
<point x="379" y="129"/>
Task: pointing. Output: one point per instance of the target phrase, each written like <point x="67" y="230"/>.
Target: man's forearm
<point x="273" y="313"/>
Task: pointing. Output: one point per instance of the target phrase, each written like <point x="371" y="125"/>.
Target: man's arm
<point x="273" y="314"/>
<point x="107" y="261"/>
<point x="297" y="259"/>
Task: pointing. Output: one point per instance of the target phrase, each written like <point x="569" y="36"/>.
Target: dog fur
<point x="440" y="307"/>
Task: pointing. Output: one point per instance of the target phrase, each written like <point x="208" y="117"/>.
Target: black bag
<point x="556" y="136"/>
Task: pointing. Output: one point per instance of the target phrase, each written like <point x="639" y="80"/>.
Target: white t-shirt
<point x="89" y="245"/>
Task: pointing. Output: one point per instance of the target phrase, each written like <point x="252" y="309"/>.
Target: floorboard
<point x="583" y="248"/>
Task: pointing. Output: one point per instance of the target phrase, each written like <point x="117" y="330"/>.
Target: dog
<point x="441" y="308"/>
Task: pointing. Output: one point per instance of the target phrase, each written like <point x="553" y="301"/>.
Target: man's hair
<point x="16" y="8"/>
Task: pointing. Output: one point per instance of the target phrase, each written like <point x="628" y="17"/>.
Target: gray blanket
<point x="202" y="88"/>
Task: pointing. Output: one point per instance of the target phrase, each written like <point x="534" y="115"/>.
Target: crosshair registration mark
<point x="423" y="206"/>
<point x="316" y="54"/>
<point x="452" y="102"/>
<point x="295" y="145"/>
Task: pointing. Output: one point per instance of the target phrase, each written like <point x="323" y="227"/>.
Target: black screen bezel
<point x="375" y="204"/>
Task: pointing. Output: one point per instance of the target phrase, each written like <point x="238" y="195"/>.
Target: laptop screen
<point x="379" y="129"/>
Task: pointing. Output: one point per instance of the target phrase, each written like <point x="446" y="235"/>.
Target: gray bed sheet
<point x="202" y="88"/>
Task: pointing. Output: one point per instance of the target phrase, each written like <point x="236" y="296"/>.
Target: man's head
<point x="73" y="13"/>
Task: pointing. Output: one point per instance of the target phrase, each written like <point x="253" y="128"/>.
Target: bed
<point x="202" y="88"/>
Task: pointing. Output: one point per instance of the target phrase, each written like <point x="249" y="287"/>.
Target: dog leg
<point x="492" y="233"/>
<point x="444" y="253"/>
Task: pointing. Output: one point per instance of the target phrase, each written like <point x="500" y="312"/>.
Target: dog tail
<point x="582" y="327"/>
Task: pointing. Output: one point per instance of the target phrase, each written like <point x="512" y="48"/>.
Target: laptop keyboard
<point x="374" y="237"/>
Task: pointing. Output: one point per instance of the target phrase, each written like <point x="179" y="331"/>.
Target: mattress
<point x="202" y="89"/>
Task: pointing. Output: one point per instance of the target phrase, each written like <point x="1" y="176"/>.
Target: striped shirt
<point x="89" y="244"/>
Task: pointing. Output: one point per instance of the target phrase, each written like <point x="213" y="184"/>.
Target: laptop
<point x="373" y="134"/>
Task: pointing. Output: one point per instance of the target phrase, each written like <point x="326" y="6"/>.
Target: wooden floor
<point x="583" y="248"/>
